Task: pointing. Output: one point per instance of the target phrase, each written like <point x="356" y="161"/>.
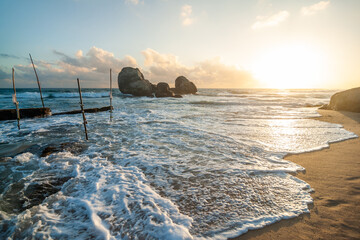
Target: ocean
<point x="208" y="166"/>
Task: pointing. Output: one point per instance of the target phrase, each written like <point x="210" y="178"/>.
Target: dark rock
<point x="132" y="81"/>
<point x="36" y="192"/>
<point x="10" y="114"/>
<point x="73" y="147"/>
<point x="20" y="196"/>
<point x="184" y="86"/>
<point x="163" y="90"/>
<point x="87" y="110"/>
<point x="348" y="100"/>
<point x="49" y="150"/>
<point x="177" y="96"/>
<point x="153" y="87"/>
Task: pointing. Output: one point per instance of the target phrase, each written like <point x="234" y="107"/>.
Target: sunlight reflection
<point x="284" y="134"/>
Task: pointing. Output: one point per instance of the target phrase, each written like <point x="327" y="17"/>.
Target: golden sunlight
<point x="291" y="66"/>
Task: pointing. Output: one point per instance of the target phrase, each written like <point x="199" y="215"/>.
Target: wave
<point x="76" y="95"/>
<point x="86" y="198"/>
<point x="215" y="103"/>
<point x="196" y="167"/>
<point x="36" y="95"/>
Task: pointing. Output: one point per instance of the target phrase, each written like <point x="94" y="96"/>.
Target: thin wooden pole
<point x="15" y="99"/>
<point x="38" y="82"/>
<point x="111" y="116"/>
<point x="82" y="109"/>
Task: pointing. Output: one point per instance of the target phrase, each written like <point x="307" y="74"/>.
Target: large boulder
<point x="163" y="90"/>
<point x="348" y="100"/>
<point x="132" y="81"/>
<point x="184" y="86"/>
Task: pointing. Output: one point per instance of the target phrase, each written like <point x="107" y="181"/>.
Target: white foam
<point x="24" y="157"/>
<point x="167" y="168"/>
<point x="103" y="201"/>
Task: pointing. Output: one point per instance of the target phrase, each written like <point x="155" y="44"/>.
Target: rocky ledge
<point x="348" y="100"/>
<point x="132" y="81"/>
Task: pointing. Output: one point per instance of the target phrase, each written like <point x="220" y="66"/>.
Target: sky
<point x="215" y="44"/>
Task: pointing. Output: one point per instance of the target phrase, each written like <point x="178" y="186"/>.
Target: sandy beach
<point x="334" y="174"/>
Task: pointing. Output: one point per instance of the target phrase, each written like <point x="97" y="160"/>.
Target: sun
<point x="291" y="66"/>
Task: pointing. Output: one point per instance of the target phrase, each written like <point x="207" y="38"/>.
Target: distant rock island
<point x="132" y="81"/>
<point x="348" y="100"/>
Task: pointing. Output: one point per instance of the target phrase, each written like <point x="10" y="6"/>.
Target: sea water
<point x="204" y="166"/>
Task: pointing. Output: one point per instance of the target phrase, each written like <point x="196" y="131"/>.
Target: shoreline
<point x="334" y="174"/>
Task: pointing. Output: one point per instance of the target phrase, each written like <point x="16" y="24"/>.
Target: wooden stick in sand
<point x="82" y="109"/>
<point x="15" y="99"/>
<point x="111" y="116"/>
<point x="38" y="82"/>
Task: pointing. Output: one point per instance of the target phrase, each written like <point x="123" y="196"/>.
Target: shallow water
<point x="204" y="166"/>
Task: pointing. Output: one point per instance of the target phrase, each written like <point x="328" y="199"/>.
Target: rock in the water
<point x="153" y="87"/>
<point x="10" y="114"/>
<point x="132" y="81"/>
<point x="348" y="100"/>
<point x="73" y="147"/>
<point x="163" y="90"/>
<point x="184" y="86"/>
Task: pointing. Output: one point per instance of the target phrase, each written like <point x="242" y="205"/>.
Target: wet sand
<point x="334" y="174"/>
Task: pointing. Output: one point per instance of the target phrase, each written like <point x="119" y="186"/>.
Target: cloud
<point x="311" y="10"/>
<point x="270" y="21"/>
<point x="95" y="60"/>
<point x="4" y="55"/>
<point x="5" y="80"/>
<point x="135" y="2"/>
<point x="93" y="69"/>
<point x="186" y="12"/>
<point x="211" y="73"/>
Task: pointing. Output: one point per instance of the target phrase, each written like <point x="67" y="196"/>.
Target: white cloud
<point x="186" y="15"/>
<point x="270" y="21"/>
<point x="79" y="54"/>
<point x="310" y="10"/>
<point x="135" y="2"/>
<point x="93" y="69"/>
<point x="96" y="59"/>
<point x="210" y="73"/>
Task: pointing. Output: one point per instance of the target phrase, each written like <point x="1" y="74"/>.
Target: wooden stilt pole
<point x="111" y="116"/>
<point x="38" y="82"/>
<point x="82" y="109"/>
<point x="15" y="99"/>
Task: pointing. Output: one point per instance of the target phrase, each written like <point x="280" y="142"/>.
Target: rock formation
<point x="132" y="81"/>
<point x="10" y="114"/>
<point x="184" y="86"/>
<point x="163" y="90"/>
<point x="348" y="100"/>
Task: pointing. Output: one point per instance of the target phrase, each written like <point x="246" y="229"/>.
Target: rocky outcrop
<point x="163" y="90"/>
<point x="132" y="81"/>
<point x="348" y="100"/>
<point x="87" y="110"/>
<point x="75" y="148"/>
<point x="10" y="114"/>
<point x="184" y="86"/>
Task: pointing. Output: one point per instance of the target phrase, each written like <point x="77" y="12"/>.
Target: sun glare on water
<point x="292" y="66"/>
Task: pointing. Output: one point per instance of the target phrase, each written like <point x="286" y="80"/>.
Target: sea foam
<point x="205" y="166"/>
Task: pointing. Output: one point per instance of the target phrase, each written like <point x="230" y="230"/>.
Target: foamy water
<point x="204" y="166"/>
